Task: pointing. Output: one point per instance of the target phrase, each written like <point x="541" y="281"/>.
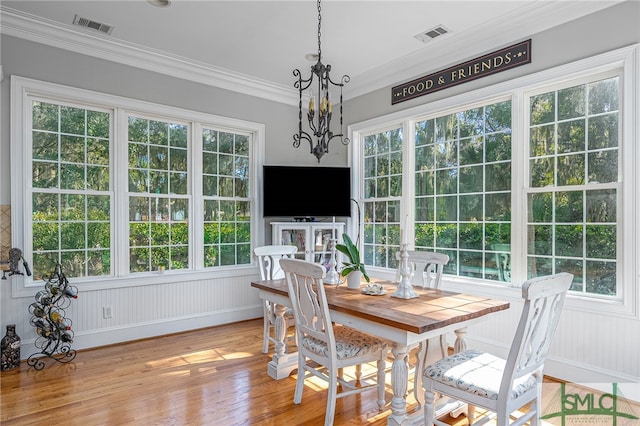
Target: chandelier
<point x="319" y="120"/>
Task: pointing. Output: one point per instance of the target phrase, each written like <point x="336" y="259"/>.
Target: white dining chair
<point x="503" y="386"/>
<point x="269" y="264"/>
<point x="330" y="346"/>
<point x="426" y="268"/>
<point x="503" y="260"/>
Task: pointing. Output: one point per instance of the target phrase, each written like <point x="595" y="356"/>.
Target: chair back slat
<point x="269" y="260"/>
<point x="426" y="268"/>
<point x="543" y="301"/>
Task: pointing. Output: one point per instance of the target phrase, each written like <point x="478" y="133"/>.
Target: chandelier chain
<point x="319" y="30"/>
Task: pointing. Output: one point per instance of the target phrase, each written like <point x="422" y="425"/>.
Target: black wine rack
<point x="49" y="317"/>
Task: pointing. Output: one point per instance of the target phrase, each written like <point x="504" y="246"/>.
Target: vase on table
<point x="354" y="278"/>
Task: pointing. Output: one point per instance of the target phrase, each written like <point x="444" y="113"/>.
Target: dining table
<point x="404" y="323"/>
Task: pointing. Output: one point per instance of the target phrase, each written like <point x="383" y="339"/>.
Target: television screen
<point x="306" y="191"/>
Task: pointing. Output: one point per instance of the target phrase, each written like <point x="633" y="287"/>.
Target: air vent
<point x="88" y="23"/>
<point x="429" y="35"/>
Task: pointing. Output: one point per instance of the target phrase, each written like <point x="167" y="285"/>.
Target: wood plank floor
<point x="212" y="376"/>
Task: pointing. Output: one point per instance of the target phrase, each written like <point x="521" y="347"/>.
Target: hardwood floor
<point x="212" y="376"/>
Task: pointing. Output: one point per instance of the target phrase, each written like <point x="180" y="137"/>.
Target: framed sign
<point x="494" y="62"/>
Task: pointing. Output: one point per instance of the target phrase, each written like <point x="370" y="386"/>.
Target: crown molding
<point x="522" y="23"/>
<point x="453" y="48"/>
<point x="29" y="27"/>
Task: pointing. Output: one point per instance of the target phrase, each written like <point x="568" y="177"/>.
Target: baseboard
<point x="109" y="336"/>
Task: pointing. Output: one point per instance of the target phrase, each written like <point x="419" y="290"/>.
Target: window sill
<point x="575" y="302"/>
<point x="27" y="288"/>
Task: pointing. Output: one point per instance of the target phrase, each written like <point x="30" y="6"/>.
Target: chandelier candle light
<point x="405" y="288"/>
<point x="320" y="131"/>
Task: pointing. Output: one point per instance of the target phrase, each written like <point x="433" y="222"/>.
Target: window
<point x="526" y="178"/>
<point x="114" y="193"/>
<point x="382" y="194"/>
<point x="158" y="196"/>
<point x="71" y="189"/>
<point x="225" y="189"/>
<point x="463" y="189"/>
<point x="572" y="196"/>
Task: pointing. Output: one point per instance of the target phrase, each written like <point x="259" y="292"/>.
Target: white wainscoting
<point x="588" y="347"/>
<point x="149" y="310"/>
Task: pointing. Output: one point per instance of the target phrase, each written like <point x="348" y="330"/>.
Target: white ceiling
<point x="262" y="42"/>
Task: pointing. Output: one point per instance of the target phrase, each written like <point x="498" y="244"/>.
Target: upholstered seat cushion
<point x="476" y="372"/>
<point x="349" y="343"/>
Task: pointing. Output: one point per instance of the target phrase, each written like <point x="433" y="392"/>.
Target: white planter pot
<point x="354" y="279"/>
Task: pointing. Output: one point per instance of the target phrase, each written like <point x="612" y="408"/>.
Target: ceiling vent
<point x="88" y="23"/>
<point x="429" y="35"/>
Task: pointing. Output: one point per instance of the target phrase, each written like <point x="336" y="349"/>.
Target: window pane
<point x="571" y="136"/>
<point x="471" y="183"/>
<point x="161" y="180"/>
<point x="44" y="146"/>
<point x="471" y="151"/>
<point x="227" y="206"/>
<point x="576" y="230"/>
<point x="498" y="147"/>
<point x="70" y="155"/>
<point x="382" y="192"/>
<point x="571" y="102"/>
<point x="604" y="96"/>
<point x="542" y="109"/>
<point x="603" y="166"/>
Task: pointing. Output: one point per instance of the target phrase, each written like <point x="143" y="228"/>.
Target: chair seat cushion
<point x="476" y="372"/>
<point x="349" y="343"/>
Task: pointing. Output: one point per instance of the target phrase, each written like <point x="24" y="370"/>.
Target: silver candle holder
<point x="332" y="277"/>
<point x="405" y="288"/>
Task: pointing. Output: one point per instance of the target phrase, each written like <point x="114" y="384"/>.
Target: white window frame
<point x="22" y="89"/>
<point x="402" y="214"/>
<point x="627" y="60"/>
<point x="618" y="185"/>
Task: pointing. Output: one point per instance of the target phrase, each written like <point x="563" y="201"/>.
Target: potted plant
<point x="353" y="269"/>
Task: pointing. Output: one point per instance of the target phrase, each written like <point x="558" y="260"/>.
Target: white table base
<point x="281" y="364"/>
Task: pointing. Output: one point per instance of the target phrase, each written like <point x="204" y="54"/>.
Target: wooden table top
<point x="433" y="309"/>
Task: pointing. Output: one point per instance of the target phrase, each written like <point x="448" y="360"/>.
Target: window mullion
<point x="520" y="156"/>
<point x="196" y="229"/>
<point x="407" y="204"/>
<point x="120" y="207"/>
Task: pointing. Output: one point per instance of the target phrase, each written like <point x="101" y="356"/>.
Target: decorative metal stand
<point x="405" y="289"/>
<point x="13" y="265"/>
<point x="52" y="325"/>
<point x="332" y="277"/>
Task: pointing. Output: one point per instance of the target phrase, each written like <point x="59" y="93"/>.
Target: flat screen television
<point x="299" y="191"/>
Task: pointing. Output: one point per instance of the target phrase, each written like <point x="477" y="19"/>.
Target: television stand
<point x="311" y="238"/>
